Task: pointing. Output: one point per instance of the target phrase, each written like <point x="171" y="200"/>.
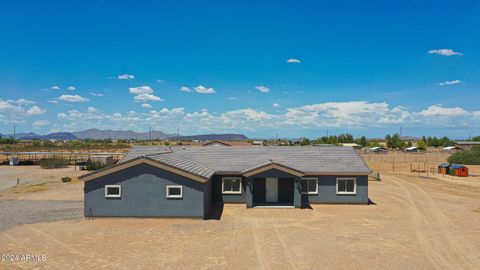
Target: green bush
<point x="94" y="165"/>
<point x="53" y="163"/>
<point x="66" y="179"/>
<point x="467" y="157"/>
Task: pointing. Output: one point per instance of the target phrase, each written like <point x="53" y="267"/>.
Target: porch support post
<point x="249" y="192"/>
<point x="297" y="193"/>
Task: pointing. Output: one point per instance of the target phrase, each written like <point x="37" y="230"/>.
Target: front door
<point x="272" y="189"/>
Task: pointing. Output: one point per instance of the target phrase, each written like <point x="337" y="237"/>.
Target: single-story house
<point x="185" y="181"/>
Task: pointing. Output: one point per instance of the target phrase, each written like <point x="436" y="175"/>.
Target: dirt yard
<point x="413" y="223"/>
<point x="30" y="175"/>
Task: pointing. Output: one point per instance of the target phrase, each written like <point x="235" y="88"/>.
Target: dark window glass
<point x="350" y="185"/>
<point x="174" y="191"/>
<point x="113" y="191"/>
<point x="227" y="185"/>
<point x="312" y="185"/>
<point x="236" y="185"/>
<point x="341" y="185"/>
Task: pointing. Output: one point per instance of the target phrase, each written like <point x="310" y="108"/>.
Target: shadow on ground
<point x="18" y="212"/>
<point x="215" y="212"/>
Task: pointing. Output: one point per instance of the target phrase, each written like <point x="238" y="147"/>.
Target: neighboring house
<point x="185" y="181"/>
<point x="378" y="149"/>
<point x="414" y="149"/>
<point x="226" y="143"/>
<point x="467" y="145"/>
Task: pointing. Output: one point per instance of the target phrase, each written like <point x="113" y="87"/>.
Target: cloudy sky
<point x="262" y="68"/>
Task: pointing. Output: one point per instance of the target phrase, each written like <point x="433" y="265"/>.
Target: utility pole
<point x="150" y="135"/>
<point x="401" y="132"/>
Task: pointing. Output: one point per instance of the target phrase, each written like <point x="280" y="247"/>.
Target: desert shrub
<point x="66" y="179"/>
<point x="467" y="157"/>
<point x="94" y="165"/>
<point x="53" y="163"/>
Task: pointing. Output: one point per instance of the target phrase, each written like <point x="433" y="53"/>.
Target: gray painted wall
<point x="217" y="195"/>
<point x="144" y="194"/>
<point x="207" y="197"/>
<point x="327" y="192"/>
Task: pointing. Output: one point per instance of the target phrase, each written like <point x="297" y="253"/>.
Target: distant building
<point x="414" y="149"/>
<point x="226" y="143"/>
<point x="354" y="145"/>
<point x="467" y="145"/>
<point x="378" y="149"/>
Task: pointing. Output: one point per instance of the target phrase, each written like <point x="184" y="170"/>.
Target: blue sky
<point x="366" y="68"/>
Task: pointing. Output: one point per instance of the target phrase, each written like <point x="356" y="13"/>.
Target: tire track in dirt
<point x="442" y="245"/>
<point x="440" y="220"/>
<point x="258" y="247"/>
<point x="292" y="264"/>
<point x="432" y="248"/>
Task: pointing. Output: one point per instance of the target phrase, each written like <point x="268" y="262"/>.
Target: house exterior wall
<point x="217" y="195"/>
<point x="143" y="194"/>
<point x="327" y="192"/>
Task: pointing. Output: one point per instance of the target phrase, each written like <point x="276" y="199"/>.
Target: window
<point x="232" y="185"/>
<point x="346" y="185"/>
<point x="113" y="191"/>
<point x="309" y="185"/>
<point x="174" y="191"/>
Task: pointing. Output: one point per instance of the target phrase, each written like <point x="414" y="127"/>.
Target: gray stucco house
<point x="185" y="181"/>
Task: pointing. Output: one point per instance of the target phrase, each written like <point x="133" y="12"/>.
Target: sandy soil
<point x="33" y="175"/>
<point x="415" y="223"/>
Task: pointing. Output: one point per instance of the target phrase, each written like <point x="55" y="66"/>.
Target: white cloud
<point x="21" y="101"/>
<point x="186" y="89"/>
<point x="92" y="109"/>
<point x="232" y="98"/>
<point x="55" y="87"/>
<point x="144" y="89"/>
<point x="450" y="82"/>
<point x="204" y="90"/>
<point x="53" y="101"/>
<point x="72" y="98"/>
<point x="71" y="88"/>
<point x="439" y="110"/>
<point x="126" y="77"/>
<point x="41" y="123"/>
<point x="276" y="105"/>
<point x="35" y="110"/>
<point x="146" y="105"/>
<point x="263" y="89"/>
<point x="294" y="61"/>
<point x="444" y="52"/>
<point x="146" y="97"/>
<point x="96" y="94"/>
<point x="160" y="81"/>
<point x="16" y="111"/>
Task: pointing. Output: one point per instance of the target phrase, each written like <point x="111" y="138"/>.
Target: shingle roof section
<point x="208" y="160"/>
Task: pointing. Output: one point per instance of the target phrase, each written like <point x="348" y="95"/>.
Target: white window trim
<point x="316" y="185"/>
<point x="119" y="195"/>
<point x="231" y="192"/>
<point x="174" y="196"/>
<point x="346" y="192"/>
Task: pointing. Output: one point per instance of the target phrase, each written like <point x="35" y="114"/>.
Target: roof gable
<point x="143" y="160"/>
<point x="269" y="166"/>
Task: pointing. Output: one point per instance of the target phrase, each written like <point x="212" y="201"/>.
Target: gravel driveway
<point x="17" y="212"/>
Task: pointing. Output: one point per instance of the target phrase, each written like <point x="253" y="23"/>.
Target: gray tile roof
<point x="207" y="160"/>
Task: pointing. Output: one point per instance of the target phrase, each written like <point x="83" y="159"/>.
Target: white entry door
<point x="272" y="189"/>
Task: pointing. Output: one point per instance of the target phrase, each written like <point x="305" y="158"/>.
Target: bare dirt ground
<point x="414" y="223"/>
<point x="29" y="175"/>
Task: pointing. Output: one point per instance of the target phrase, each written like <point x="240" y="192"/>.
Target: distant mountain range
<point x="98" y="134"/>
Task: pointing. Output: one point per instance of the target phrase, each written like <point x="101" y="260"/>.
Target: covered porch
<point x="273" y="186"/>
